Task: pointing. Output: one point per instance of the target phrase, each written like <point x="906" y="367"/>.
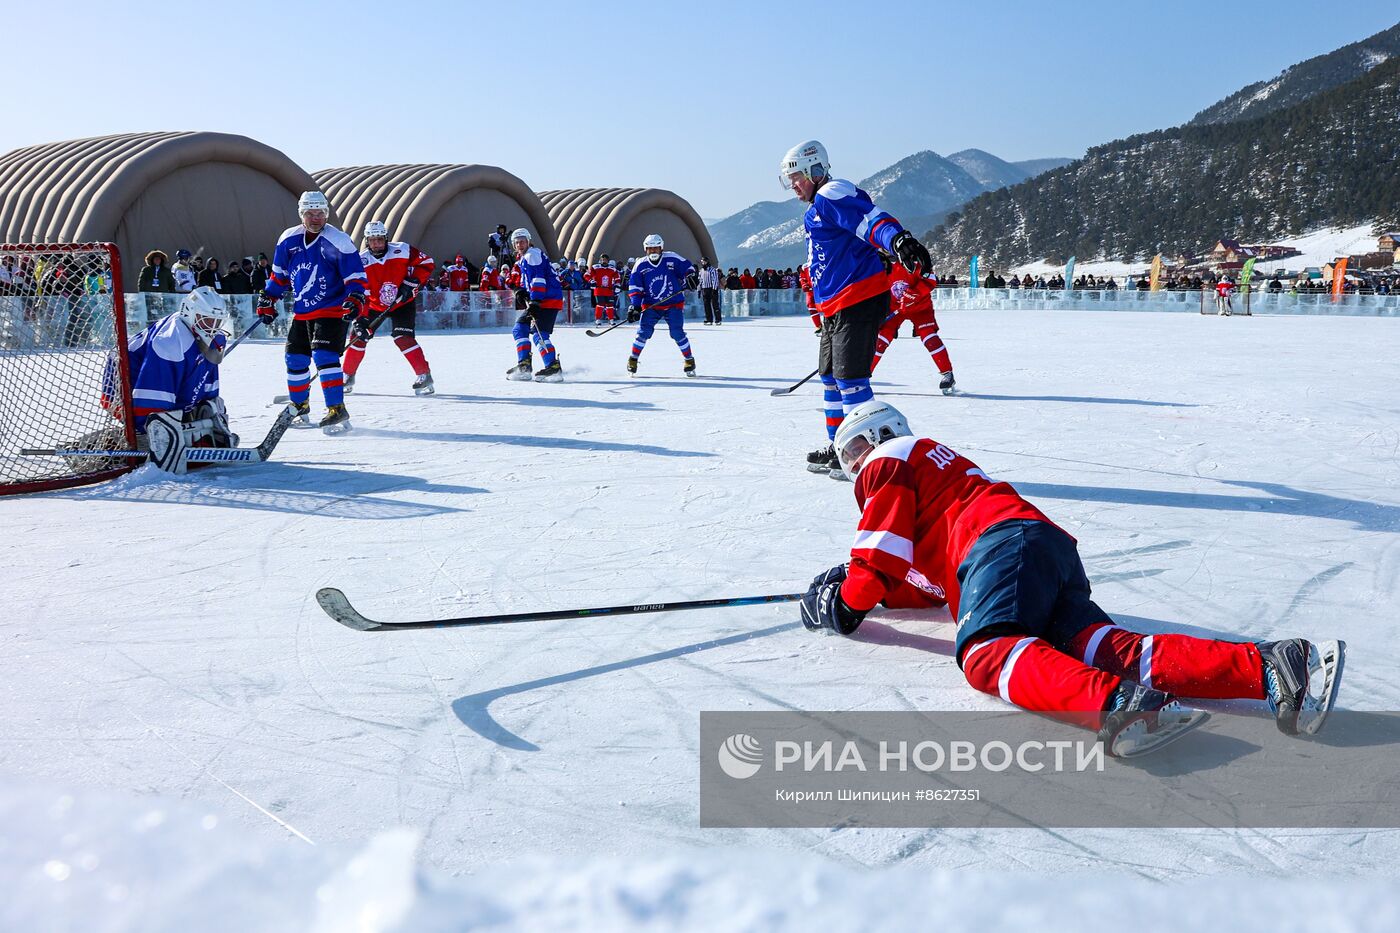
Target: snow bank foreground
<point x="98" y="861"/>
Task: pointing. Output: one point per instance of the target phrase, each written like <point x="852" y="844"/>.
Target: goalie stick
<point x="794" y="387"/>
<point x="256" y="454"/>
<point x="338" y="607"/>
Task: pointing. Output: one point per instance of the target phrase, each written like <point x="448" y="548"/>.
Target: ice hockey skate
<point x="689" y="368"/>
<point x="302" y="417"/>
<point x="822" y="460"/>
<point x="522" y="371"/>
<point x="349" y="386"/>
<point x="947" y="384"/>
<point x="551" y="373"/>
<point x="336" y="420"/>
<point x="423" y="385"/>
<point x="1142" y="720"/>
<point x="1301" y="679"/>
<point x="632" y="365"/>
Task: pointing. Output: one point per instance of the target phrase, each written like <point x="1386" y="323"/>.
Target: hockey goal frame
<point x="120" y="408"/>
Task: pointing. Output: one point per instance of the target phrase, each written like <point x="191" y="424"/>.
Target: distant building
<point x="1232" y="254"/>
<point x="1389" y="242"/>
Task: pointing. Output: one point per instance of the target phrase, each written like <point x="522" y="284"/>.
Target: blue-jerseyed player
<point x="656" y="292"/>
<point x="845" y="231"/>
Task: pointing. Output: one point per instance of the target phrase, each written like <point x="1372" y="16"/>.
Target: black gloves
<point x="266" y="308"/>
<point x="407" y="292"/>
<point x="911" y="253"/>
<point x="823" y="606"/>
<point x="634" y="315"/>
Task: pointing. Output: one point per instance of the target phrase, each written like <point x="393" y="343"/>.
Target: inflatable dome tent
<point x="593" y="221"/>
<point x="215" y="194"/>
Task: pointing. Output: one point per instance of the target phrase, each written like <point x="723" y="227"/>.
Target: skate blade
<point x="556" y="378"/>
<point x="691" y="375"/>
<point x="818" y="468"/>
<point x="519" y="377"/>
<point x="839" y="475"/>
<point x="951" y="390"/>
<point x="1325" y="658"/>
<point x="1173" y="721"/>
<point x="334" y="429"/>
<point x="426" y="391"/>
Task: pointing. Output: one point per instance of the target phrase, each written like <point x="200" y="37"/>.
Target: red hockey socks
<point x="1180" y="664"/>
<point x="411" y="352"/>
<point x="1029" y="673"/>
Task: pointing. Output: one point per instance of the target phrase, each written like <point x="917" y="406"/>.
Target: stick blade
<point x="780" y="392"/>
<point x="338" y="607"/>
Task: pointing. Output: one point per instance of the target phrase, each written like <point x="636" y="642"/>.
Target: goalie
<point x="174" y="366"/>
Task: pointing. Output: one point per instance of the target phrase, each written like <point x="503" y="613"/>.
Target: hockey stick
<point x="241" y="337"/>
<point x="338" y="607"/>
<point x="373" y="326"/>
<point x="606" y="329"/>
<point x="256" y="454"/>
<point x="795" y="386"/>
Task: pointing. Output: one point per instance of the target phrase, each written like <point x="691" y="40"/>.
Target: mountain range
<point x="920" y="190"/>
<point x="1314" y="147"/>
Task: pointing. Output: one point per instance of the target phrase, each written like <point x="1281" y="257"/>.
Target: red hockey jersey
<point x="922" y="508"/>
<point x="910" y="292"/>
<point x="458" y="276"/>
<point x="603" y="280"/>
<point x="400" y="263"/>
<point x="490" y="280"/>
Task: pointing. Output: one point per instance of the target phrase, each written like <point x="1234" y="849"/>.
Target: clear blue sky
<point x="700" y="98"/>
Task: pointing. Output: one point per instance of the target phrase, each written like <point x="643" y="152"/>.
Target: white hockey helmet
<point x="807" y="159"/>
<point x="491" y="261"/>
<point x="312" y="201"/>
<point x="520" y="233"/>
<point x="204" y="311"/>
<point x="654" y="243"/>
<point x="612" y="264"/>
<point x="868" y="426"/>
<point x="376" y="228"/>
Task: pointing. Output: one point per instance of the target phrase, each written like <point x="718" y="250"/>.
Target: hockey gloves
<point x="836" y="574"/>
<point x="634" y="315"/>
<point x="912" y="254"/>
<point x="823" y="607"/>
<point x="351" y="306"/>
<point x="266" y="308"/>
<point x="360" y="331"/>
<point x="408" y="291"/>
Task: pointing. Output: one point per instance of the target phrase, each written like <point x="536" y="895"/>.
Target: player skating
<point x="1223" y="289"/>
<point x="934" y="528"/>
<point x="911" y="299"/>
<point x="174" y="367"/>
<point x="323" y="270"/>
<point x="845" y="230"/>
<point x="604" y="279"/>
<point x="542" y="298"/>
<point x="656" y="291"/>
<point x="394" y="273"/>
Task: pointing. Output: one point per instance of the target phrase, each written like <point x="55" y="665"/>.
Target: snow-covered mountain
<point x="920" y="190"/>
<point x="1304" y="80"/>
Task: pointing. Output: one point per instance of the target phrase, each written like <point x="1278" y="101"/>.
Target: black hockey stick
<point x="606" y="329"/>
<point x="338" y="607"/>
<point x="373" y="326"/>
<point x="795" y="386"/>
<point x="241" y="337"/>
<point x="256" y="454"/>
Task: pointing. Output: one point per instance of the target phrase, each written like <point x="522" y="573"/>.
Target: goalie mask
<point x="868" y="426"/>
<point x="204" y="313"/>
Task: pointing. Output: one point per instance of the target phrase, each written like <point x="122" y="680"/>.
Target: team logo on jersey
<point x="387" y="293"/>
<point x="917" y="579"/>
<point x="312" y="289"/>
<point x="659" y="289"/>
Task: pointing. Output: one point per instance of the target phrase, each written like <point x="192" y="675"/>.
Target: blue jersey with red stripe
<point x="538" y="275"/>
<point x="320" y="274"/>
<point x="659" y="287"/>
<point x="168" y="371"/>
<point x="844" y="228"/>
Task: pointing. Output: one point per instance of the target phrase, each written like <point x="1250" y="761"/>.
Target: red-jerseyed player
<point x="934" y="528"/>
<point x="911" y="299"/>
<point x="604" y="279"/>
<point x="396" y="271"/>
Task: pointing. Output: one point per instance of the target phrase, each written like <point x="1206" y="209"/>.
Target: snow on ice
<point x="189" y="743"/>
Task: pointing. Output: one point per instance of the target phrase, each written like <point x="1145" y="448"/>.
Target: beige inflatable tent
<point x="215" y="194"/>
<point x="441" y="209"/>
<point x="593" y="221"/>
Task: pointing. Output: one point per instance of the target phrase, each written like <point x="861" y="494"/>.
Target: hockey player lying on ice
<point x="174" y="366"/>
<point x="934" y="528"/>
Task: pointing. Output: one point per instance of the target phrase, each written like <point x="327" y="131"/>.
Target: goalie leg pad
<point x="168" y="441"/>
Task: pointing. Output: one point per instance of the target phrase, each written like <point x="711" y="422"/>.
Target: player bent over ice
<point x="656" y="291"/>
<point x="911" y="297"/>
<point x="174" y="366"/>
<point x="394" y="274"/>
<point x="934" y="528"/>
<point x="320" y="265"/>
<point x="539" y="298"/>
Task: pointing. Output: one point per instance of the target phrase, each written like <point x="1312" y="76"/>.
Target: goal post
<point x="64" y="380"/>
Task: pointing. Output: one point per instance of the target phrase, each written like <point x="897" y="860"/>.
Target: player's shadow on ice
<point x="280" y="487"/>
<point x="542" y="402"/>
<point x="525" y="440"/>
<point x="475" y="713"/>
<point x="1076" y="399"/>
<point x="1277" y="500"/>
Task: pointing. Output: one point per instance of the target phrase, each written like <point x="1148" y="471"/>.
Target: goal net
<point x="63" y="371"/>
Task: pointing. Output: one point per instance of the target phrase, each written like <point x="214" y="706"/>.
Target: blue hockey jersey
<point x="320" y="274"/>
<point x="537" y="275"/>
<point x="660" y="287"/>
<point x="168" y="371"/>
<point x="844" y="228"/>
